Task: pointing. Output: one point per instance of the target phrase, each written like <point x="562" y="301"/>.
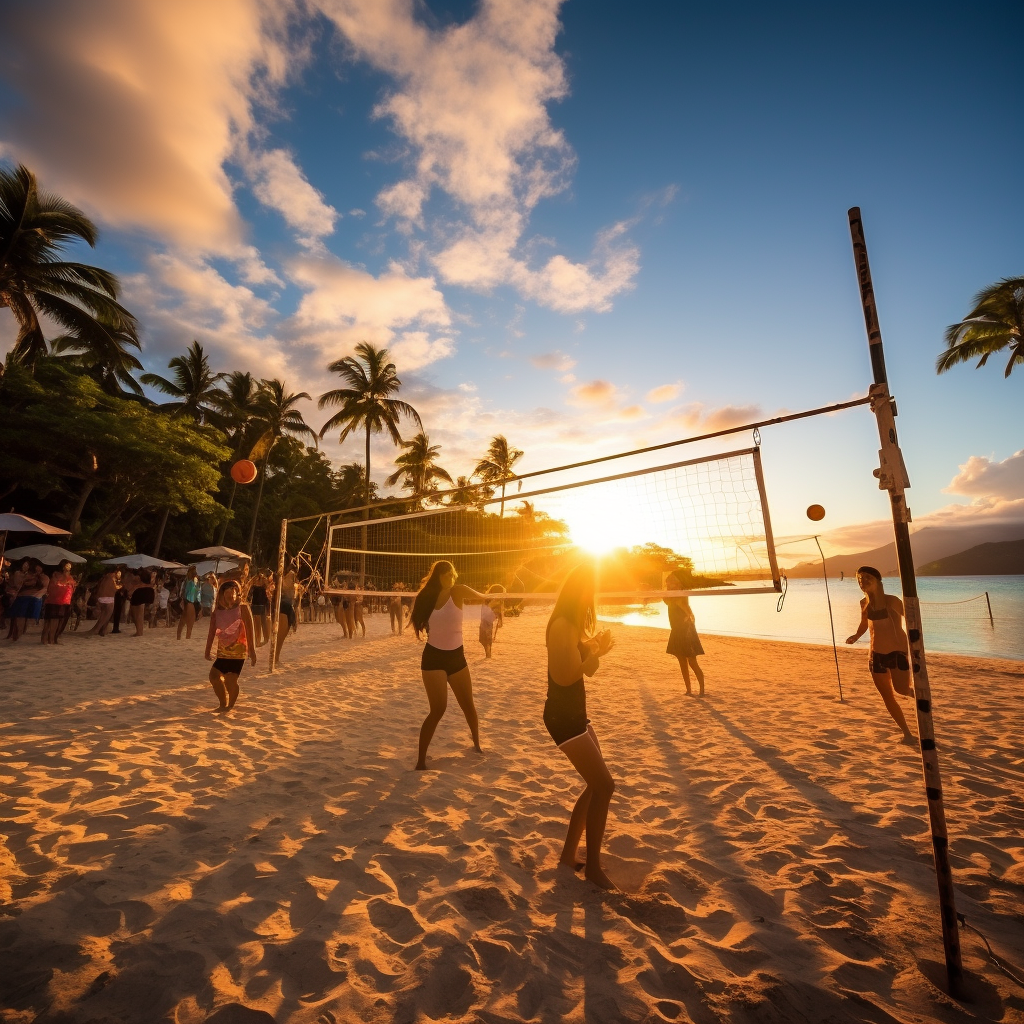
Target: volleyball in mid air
<point x="815" y="512"/>
<point x="243" y="471"/>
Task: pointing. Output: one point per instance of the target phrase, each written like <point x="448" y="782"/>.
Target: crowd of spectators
<point x="120" y="596"/>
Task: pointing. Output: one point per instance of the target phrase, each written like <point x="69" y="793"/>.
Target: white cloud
<point x="470" y="100"/>
<point x="279" y="184"/>
<point x="416" y="349"/>
<point x="337" y="292"/>
<point x="344" y="305"/>
<point x="979" y="476"/>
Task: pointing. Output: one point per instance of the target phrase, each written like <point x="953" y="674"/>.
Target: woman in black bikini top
<point x="572" y="654"/>
<point x="882" y="615"/>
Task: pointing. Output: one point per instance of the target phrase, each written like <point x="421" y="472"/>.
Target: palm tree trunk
<point x="259" y="498"/>
<point x="234" y="489"/>
<point x="366" y="511"/>
<point x="160" y="534"/>
<point x="231" y="502"/>
<point x="83" y="496"/>
<point x="503" y="498"/>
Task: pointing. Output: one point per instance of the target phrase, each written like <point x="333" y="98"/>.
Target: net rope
<point x="705" y="517"/>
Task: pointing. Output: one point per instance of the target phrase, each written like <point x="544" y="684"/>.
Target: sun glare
<point x="601" y="527"/>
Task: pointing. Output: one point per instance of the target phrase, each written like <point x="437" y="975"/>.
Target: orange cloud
<point x="131" y="107"/>
<point x="595" y="394"/>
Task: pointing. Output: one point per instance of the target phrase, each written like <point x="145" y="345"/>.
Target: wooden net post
<point x="892" y="477"/>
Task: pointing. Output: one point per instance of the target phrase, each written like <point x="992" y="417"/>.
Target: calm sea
<point x="954" y="609"/>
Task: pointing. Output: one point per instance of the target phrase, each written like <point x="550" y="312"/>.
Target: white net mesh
<point x="705" y="518"/>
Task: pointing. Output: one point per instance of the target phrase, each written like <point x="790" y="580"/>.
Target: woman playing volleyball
<point x="888" y="660"/>
<point x="683" y="641"/>
<point x="438" y="610"/>
<point x="574" y="651"/>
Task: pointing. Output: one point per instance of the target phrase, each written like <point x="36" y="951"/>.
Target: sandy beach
<point x="285" y="863"/>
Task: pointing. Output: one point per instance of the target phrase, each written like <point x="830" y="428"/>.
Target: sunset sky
<point x="589" y="226"/>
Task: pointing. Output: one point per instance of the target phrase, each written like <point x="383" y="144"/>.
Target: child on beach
<point x="231" y="626"/>
<point x="683" y="641"/>
<point x="486" y="634"/>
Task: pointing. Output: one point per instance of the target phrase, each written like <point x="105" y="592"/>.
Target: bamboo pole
<point x="277" y="594"/>
<point x="892" y="477"/>
<point x="831" y="621"/>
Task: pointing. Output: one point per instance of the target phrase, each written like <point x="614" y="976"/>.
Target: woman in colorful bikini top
<point x="881" y="615"/>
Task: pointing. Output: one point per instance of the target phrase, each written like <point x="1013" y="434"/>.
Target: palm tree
<point x="995" y="323"/>
<point x="366" y="402"/>
<point x="106" y="357"/>
<point x="417" y="466"/>
<point x="468" y="493"/>
<point x="35" y="229"/>
<point x="194" y="385"/>
<point x="496" y="465"/>
<point x="237" y="406"/>
<point x="277" y="415"/>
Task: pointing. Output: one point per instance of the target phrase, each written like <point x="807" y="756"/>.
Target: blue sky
<point x="587" y="226"/>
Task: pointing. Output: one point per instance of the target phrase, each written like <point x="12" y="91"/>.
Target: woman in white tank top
<point x="438" y="611"/>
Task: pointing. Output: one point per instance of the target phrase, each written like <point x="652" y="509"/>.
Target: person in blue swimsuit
<point x="575" y="651"/>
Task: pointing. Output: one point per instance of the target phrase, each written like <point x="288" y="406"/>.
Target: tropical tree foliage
<point x="496" y="465"/>
<point x="107" y="461"/>
<point x="417" y="466"/>
<point x="995" y="324"/>
<point x="366" y="402"/>
<point x="276" y="416"/>
<point x="36" y="283"/>
<point x="193" y="384"/>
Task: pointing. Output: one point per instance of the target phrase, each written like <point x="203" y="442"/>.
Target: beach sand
<point x="284" y="863"/>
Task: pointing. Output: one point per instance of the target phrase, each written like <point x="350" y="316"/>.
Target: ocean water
<point x="954" y="611"/>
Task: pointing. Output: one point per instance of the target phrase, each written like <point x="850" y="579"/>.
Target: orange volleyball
<point x="815" y="513"/>
<point x="243" y="471"/>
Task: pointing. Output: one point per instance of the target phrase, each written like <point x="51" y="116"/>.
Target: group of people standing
<point x="29" y="594"/>
<point x="575" y="648"/>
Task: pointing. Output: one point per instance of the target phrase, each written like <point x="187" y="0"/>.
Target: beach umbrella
<point x="219" y="551"/>
<point x="48" y="554"/>
<point x="11" y="522"/>
<point x="215" y="565"/>
<point x="141" y="562"/>
<point x="14" y="523"/>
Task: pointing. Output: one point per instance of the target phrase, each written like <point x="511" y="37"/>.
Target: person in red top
<point x="59" y="592"/>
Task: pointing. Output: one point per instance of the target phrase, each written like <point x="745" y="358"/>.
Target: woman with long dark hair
<point x="575" y="651"/>
<point x="437" y="610"/>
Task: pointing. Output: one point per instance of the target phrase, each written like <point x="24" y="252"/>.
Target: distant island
<point x="1002" y="558"/>
<point x="968" y="547"/>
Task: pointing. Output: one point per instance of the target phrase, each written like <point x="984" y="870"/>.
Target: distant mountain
<point x="1004" y="558"/>
<point x="930" y="544"/>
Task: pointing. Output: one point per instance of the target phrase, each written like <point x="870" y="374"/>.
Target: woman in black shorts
<point x="438" y="610"/>
<point x="574" y="651"/>
<point x="260" y="607"/>
<point x="143" y="594"/>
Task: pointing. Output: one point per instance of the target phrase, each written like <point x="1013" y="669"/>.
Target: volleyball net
<point x="704" y="519"/>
